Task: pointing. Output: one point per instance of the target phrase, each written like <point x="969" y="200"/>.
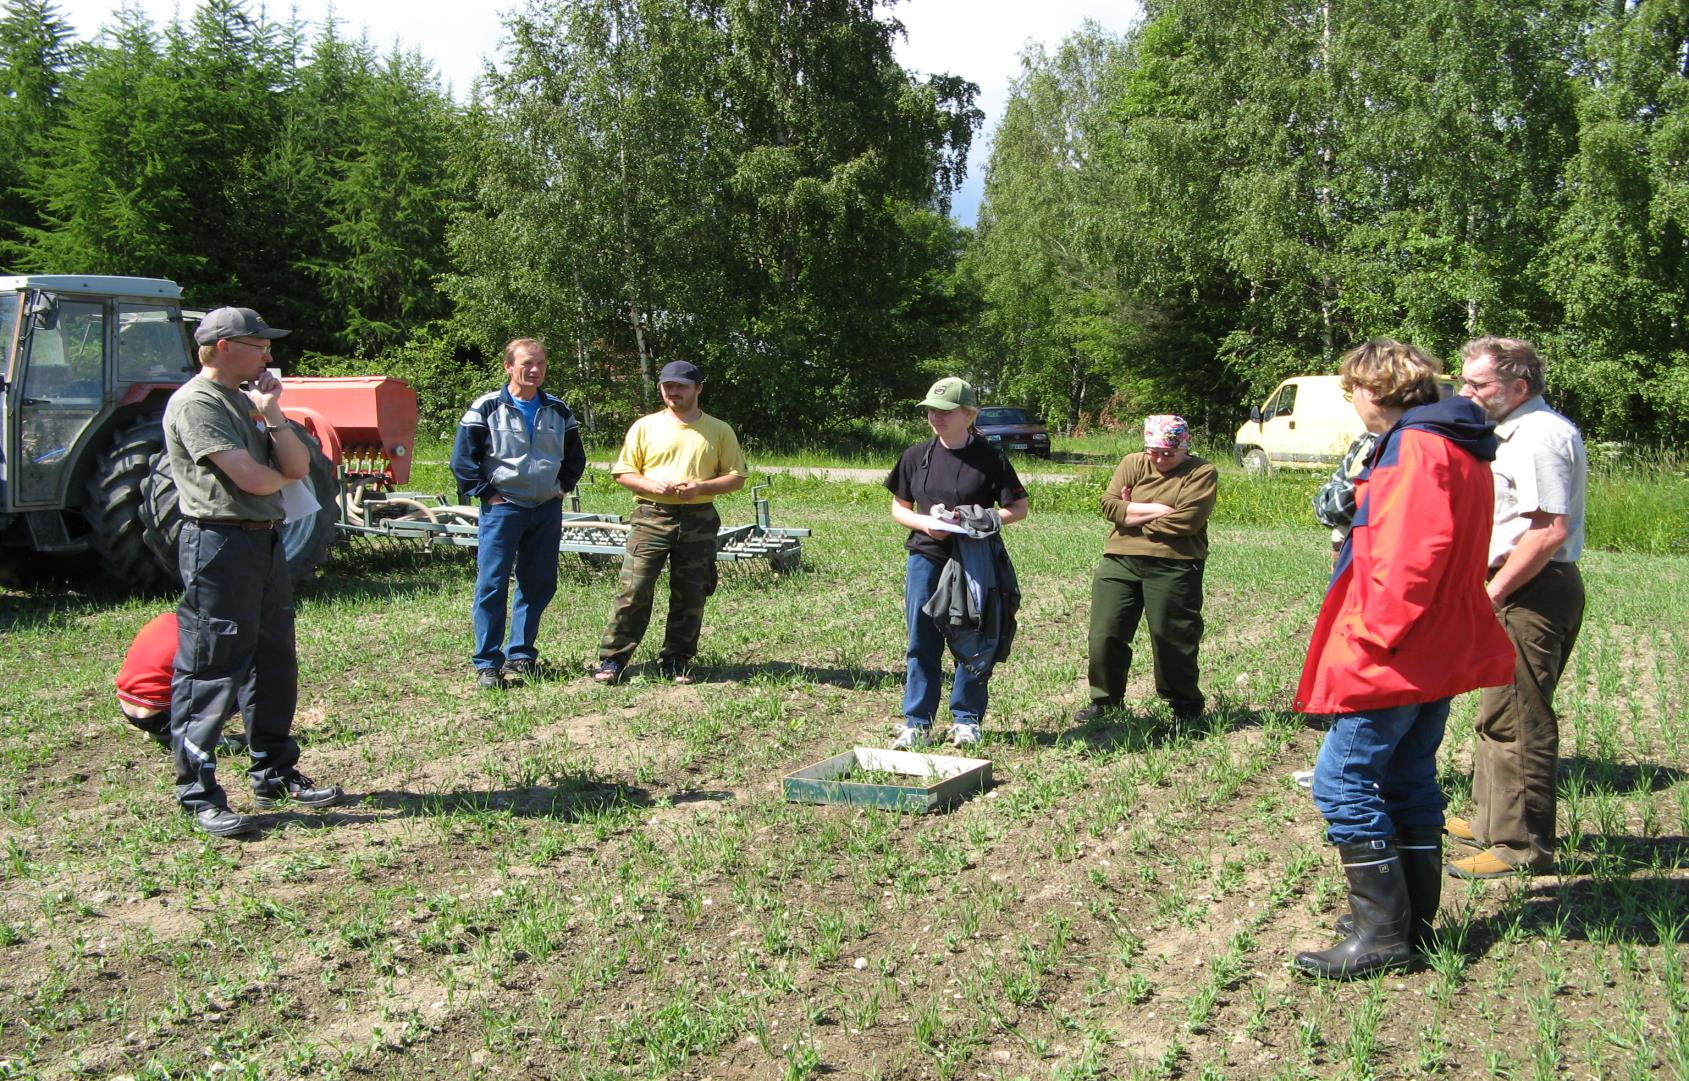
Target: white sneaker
<point x="963" y="734"/>
<point x="1303" y="777"/>
<point x="910" y="736"/>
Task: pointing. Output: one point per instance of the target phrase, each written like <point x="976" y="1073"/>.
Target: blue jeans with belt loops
<point x="1377" y="772"/>
<point x="523" y="538"/>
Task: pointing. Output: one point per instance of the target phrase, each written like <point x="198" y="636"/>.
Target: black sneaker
<point x="233" y="743"/>
<point x="301" y="790"/>
<point x="522" y="671"/>
<point x="607" y="672"/>
<point x="1096" y="711"/>
<point x="222" y="822"/>
<point x="489" y="679"/>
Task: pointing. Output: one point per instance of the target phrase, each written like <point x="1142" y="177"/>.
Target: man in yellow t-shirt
<point x="676" y="462"/>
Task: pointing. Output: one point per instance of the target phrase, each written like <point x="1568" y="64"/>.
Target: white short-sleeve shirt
<point x="1540" y="465"/>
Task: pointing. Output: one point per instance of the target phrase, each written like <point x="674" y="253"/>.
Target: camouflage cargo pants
<point x="684" y="538"/>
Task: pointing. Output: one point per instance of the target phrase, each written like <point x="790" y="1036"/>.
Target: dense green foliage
<point x="1230" y="195"/>
<point x="1174" y="219"/>
<point x="754" y="185"/>
<point x="230" y="155"/>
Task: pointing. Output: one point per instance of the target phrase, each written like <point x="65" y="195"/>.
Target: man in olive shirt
<point x="1159" y="502"/>
<point x="231" y="454"/>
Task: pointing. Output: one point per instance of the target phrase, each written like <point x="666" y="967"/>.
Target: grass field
<point x="573" y="881"/>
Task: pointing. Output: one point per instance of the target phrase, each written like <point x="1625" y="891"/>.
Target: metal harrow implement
<point x="368" y="509"/>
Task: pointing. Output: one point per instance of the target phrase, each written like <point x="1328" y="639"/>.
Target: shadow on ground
<point x="1644" y="910"/>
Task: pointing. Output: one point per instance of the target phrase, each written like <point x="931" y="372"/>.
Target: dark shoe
<point x="301" y="790"/>
<point x="678" y="671"/>
<point x="160" y="738"/>
<point x="1380" y="916"/>
<point x="607" y="672"/>
<point x="222" y="822"/>
<point x="1096" y="711"/>
<point x="522" y="671"/>
<point x="1421" y="852"/>
<point x="489" y="679"/>
<point x="233" y="743"/>
<point x="1188" y="711"/>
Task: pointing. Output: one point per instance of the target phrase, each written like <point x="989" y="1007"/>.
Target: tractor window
<point x="8" y="324"/>
<point x="67" y="357"/>
<point x="149" y="345"/>
<point x="64" y="383"/>
<point x="1283" y="403"/>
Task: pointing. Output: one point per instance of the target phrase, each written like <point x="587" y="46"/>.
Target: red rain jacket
<point x="1406" y="618"/>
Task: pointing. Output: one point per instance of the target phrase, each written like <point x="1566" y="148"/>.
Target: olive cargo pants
<point x="684" y="538"/>
<point x="1169" y="591"/>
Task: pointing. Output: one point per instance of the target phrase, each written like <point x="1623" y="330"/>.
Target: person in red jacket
<point x="1405" y="626"/>
<point x="143" y="684"/>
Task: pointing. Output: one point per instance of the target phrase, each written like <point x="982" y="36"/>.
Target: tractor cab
<point x="82" y="355"/>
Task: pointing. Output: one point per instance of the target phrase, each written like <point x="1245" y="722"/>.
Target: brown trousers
<point x="1515" y="768"/>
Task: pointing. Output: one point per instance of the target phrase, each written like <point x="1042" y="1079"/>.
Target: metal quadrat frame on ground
<point x="936" y="780"/>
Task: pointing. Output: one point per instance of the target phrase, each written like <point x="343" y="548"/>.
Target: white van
<point x="1306" y="423"/>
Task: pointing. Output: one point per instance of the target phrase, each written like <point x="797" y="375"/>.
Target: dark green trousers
<point x="1169" y="591"/>
<point x="684" y="539"/>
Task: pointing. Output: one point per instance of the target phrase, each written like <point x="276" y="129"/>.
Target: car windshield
<point x="1003" y="416"/>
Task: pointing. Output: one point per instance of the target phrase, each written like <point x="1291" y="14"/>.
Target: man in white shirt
<point x="1541" y="476"/>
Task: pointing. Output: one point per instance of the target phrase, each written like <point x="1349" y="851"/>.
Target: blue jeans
<point x="524" y="538"/>
<point x="969" y="693"/>
<point x="1377" y="772"/>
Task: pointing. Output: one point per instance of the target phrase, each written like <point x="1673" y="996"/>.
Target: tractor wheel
<point x="113" y="504"/>
<point x="306" y="539"/>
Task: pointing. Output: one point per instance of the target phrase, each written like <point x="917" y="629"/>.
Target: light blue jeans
<point x="1377" y="772"/>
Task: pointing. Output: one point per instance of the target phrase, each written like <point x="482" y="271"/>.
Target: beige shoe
<point x="1459" y="830"/>
<point x="1485" y="864"/>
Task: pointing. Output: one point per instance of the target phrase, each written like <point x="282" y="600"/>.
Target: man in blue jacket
<point x="518" y="450"/>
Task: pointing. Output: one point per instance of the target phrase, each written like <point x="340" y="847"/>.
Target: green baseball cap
<point x="950" y="394"/>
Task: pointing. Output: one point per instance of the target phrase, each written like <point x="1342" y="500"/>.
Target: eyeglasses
<point x="1162" y="452"/>
<point x="1480" y="384"/>
<point x="262" y="345"/>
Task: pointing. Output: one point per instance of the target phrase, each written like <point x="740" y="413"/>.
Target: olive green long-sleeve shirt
<point x="1189" y="489"/>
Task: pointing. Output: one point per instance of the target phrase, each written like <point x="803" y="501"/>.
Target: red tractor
<point x="89" y="363"/>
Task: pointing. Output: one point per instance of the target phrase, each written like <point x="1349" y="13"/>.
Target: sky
<point x="981" y="40"/>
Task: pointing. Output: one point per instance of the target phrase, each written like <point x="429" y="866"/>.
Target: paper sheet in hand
<point x="947" y="527"/>
<point x="298" y="500"/>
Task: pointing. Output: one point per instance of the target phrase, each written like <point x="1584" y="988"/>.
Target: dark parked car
<point x="1014" y="429"/>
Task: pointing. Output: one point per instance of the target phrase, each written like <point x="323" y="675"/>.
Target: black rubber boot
<point x="1420" y="849"/>
<point x="1378" y="904"/>
<point x="1421" y="852"/>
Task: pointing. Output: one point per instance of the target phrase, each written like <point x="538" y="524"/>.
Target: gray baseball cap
<point x="234" y="323"/>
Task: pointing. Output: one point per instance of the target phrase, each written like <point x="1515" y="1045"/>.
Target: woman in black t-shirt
<point x="955" y="468"/>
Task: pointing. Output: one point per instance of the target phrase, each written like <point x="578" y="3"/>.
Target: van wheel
<point x="1255" y="463"/>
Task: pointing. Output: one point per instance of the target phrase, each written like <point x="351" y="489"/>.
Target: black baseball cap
<point x="680" y="371"/>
